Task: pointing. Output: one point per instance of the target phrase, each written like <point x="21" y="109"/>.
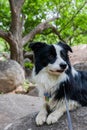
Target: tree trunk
<point x="17" y="52"/>
<point x="14" y="36"/>
<point x="16" y="31"/>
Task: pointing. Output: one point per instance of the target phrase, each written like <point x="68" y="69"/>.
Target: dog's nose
<point x="63" y="66"/>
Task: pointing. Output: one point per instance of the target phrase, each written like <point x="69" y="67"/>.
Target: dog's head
<point x="51" y="58"/>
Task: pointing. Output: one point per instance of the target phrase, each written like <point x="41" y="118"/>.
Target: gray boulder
<point x="79" y="122"/>
<point x="11" y="76"/>
<point x="16" y="106"/>
<point x="18" y="112"/>
<point x="81" y="66"/>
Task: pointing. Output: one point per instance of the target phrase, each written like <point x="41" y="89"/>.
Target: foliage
<point x="5" y="16"/>
<point x="28" y="65"/>
<point x="26" y="85"/>
<point x="72" y="24"/>
<point x="3" y="46"/>
<point x="33" y="12"/>
<point x="1" y="93"/>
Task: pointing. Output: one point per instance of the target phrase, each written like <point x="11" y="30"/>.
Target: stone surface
<point x="79" y="122"/>
<point x="11" y="75"/>
<point x="79" y="54"/>
<point x="15" y="106"/>
<point x="33" y="92"/>
<point x="81" y="66"/>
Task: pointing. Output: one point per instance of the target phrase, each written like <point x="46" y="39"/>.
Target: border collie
<point x="53" y="75"/>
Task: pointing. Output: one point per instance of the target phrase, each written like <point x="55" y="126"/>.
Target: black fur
<point x="43" y="54"/>
<point x="75" y="86"/>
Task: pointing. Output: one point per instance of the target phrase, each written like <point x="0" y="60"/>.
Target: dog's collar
<point x="47" y="96"/>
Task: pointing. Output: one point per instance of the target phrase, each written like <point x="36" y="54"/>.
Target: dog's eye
<point x="51" y="56"/>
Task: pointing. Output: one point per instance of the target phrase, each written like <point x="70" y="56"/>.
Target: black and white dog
<point x="53" y="74"/>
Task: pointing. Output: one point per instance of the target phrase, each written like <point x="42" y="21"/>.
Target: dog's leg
<point x="59" y="111"/>
<point x="42" y="115"/>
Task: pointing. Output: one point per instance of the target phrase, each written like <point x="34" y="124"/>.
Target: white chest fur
<point x="46" y="82"/>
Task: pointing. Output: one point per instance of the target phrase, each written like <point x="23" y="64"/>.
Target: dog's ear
<point x="65" y="46"/>
<point x="35" y="46"/>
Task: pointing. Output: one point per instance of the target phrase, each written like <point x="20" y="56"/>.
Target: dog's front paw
<point x="52" y="118"/>
<point x="41" y="118"/>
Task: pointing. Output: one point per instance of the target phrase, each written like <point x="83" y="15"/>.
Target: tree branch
<point x="7" y="36"/>
<point x="41" y="27"/>
<point x="73" y="16"/>
<point x="4" y="35"/>
<point x="51" y="19"/>
<point x="54" y="30"/>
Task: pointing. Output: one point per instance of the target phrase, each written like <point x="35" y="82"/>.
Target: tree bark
<point x="17" y="53"/>
<point x="14" y="35"/>
<point x="16" y="31"/>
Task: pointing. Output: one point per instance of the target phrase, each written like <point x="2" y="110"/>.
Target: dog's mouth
<point x="56" y="71"/>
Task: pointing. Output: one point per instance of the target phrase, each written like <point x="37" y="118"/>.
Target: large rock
<point x="79" y="54"/>
<point x="16" y="106"/>
<point x="11" y="76"/>
<point x="18" y="112"/>
<point x="81" y="66"/>
<point x="79" y="122"/>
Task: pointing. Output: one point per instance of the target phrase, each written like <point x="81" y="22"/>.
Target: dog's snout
<point x="63" y="66"/>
